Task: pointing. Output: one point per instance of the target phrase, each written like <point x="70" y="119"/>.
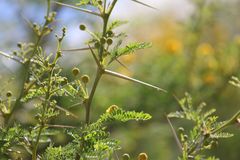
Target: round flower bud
<point x="103" y="40"/>
<point x="9" y="94"/>
<point x="82" y="27"/>
<point x="85" y="78"/>
<point x="142" y="156"/>
<point x="109" y="41"/>
<point x="75" y="71"/>
<point x="125" y="156"/>
<point x="110" y="33"/>
<point x="19" y="45"/>
<point x="112" y="108"/>
<point x="185" y="137"/>
<point x="181" y="129"/>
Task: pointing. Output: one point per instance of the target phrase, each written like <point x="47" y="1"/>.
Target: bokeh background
<point x="196" y="49"/>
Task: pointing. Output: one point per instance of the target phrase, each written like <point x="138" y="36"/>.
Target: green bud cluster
<point x="37" y="29"/>
<point x="51" y="17"/>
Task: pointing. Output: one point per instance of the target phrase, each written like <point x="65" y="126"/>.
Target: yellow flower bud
<point x="103" y="40"/>
<point x="85" y="78"/>
<point x="142" y="156"/>
<point x="181" y="129"/>
<point x="110" y="33"/>
<point x="75" y="71"/>
<point x="9" y="94"/>
<point x="125" y="156"/>
<point x="112" y="108"/>
<point x="109" y="41"/>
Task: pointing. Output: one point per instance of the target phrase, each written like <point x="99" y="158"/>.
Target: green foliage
<point x="60" y="153"/>
<point x="10" y="137"/>
<point x="94" y="141"/>
<point x="115" y="24"/>
<point x="130" y="48"/>
<point x="205" y="132"/>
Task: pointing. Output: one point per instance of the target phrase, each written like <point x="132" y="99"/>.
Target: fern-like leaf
<point x="130" y="48"/>
<point x="116" y="24"/>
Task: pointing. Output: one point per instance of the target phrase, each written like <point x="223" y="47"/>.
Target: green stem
<point x="105" y="23"/>
<point x="11" y="57"/>
<point x="232" y="120"/>
<point x="105" y="5"/>
<point x="112" y="6"/>
<point x="43" y="119"/>
<point x="25" y="74"/>
<point x="89" y="100"/>
<point x="105" y="16"/>
<point x="34" y="153"/>
<point x="26" y="66"/>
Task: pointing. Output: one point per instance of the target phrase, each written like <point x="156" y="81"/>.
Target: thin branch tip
<point x="115" y="74"/>
<point x="77" y="8"/>
<point x="144" y="4"/>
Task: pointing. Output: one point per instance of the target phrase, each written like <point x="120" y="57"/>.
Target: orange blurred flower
<point x="173" y="46"/>
<point x="205" y="49"/>
<point x="209" y="79"/>
<point x="128" y="59"/>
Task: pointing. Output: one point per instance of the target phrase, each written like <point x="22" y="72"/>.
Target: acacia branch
<point x="11" y="57"/>
<point x="77" y="49"/>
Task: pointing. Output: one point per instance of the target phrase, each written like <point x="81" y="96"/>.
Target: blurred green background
<point x="196" y="49"/>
